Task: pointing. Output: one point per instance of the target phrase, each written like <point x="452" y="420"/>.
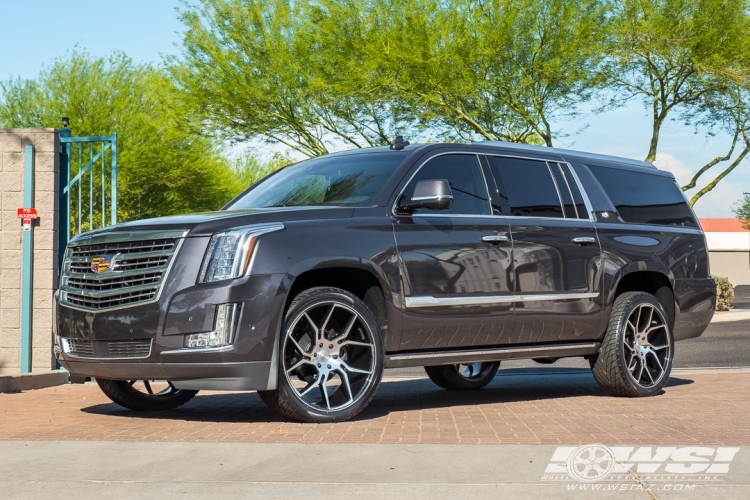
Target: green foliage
<point x="724" y="293"/>
<point x="495" y="70"/>
<point x="249" y="69"/>
<point x="306" y="73"/>
<point x="675" y="53"/>
<point x="742" y="211"/>
<point x="162" y="169"/>
<point x="251" y="169"/>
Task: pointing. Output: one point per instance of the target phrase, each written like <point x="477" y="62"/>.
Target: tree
<point x="674" y="53"/>
<point x="728" y="111"/>
<point x="251" y="169"/>
<point x="162" y="169"/>
<point x="257" y="69"/>
<point x="742" y="211"/>
<point x="464" y="70"/>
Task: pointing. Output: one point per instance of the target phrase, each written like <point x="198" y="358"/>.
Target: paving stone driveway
<point x="563" y="406"/>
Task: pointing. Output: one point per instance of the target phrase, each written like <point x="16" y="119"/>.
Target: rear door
<point x="456" y="263"/>
<point x="556" y="252"/>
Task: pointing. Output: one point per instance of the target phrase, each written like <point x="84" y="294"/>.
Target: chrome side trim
<point x="422" y="198"/>
<point x="429" y="301"/>
<point x="585" y="195"/>
<point x="586" y="201"/>
<point x="198" y="350"/>
<point x="557" y="188"/>
<point x="498" y="354"/>
<point x="114" y="237"/>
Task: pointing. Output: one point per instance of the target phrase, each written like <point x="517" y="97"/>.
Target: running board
<point x="459" y="357"/>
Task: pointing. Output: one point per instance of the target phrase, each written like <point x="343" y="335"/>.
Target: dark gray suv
<point x="452" y="257"/>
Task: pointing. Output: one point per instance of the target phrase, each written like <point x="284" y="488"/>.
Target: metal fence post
<point x="113" y="182"/>
<point x="27" y="264"/>
<point x="64" y="225"/>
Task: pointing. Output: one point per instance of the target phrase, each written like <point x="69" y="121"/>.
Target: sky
<point x="32" y="33"/>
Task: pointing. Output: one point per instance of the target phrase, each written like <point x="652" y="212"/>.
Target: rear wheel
<point x="463" y="376"/>
<point x="145" y="395"/>
<point x="636" y="354"/>
<point x="331" y="358"/>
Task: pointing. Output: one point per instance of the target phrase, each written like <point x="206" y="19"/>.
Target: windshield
<point x="329" y="180"/>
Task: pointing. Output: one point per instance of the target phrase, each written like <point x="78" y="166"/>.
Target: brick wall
<point x="46" y="184"/>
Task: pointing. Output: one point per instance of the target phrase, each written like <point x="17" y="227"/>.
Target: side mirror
<point x="434" y="194"/>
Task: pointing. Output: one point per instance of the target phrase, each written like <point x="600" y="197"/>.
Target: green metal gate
<point x="88" y="185"/>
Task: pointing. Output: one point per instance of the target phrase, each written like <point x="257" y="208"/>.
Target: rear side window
<point x="528" y="185"/>
<point x="645" y="198"/>
<point x="464" y="174"/>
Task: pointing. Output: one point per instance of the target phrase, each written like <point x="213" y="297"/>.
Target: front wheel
<point x="331" y="358"/>
<point x="464" y="376"/>
<point x="635" y="359"/>
<point x="145" y="395"/>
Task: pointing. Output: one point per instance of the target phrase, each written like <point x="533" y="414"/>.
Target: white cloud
<point x="719" y="202"/>
<point x="665" y="161"/>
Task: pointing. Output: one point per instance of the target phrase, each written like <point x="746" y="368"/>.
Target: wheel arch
<point x="652" y="281"/>
<point x="362" y="278"/>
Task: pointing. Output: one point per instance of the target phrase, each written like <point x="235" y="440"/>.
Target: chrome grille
<point x="103" y="349"/>
<point x="135" y="274"/>
<point x="129" y="349"/>
<point x="80" y="348"/>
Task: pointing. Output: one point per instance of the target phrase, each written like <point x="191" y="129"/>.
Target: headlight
<point x="229" y="252"/>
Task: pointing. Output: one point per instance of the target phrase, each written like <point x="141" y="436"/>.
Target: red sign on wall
<point x="27" y="213"/>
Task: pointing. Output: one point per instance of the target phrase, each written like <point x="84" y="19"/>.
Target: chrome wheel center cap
<point x="324" y="356"/>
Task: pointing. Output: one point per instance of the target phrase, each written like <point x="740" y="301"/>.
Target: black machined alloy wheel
<point x="145" y="395"/>
<point x="636" y="354"/>
<point x="463" y="376"/>
<point x="331" y="358"/>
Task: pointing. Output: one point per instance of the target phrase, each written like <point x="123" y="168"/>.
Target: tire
<point x="330" y="358"/>
<point x="125" y="394"/>
<point x="635" y="359"/>
<point x="463" y="377"/>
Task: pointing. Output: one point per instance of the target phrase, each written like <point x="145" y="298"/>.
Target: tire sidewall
<point x="631" y="305"/>
<point x="449" y="378"/>
<point x="301" y="303"/>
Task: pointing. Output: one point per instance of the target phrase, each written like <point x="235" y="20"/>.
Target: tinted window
<point x="645" y="198"/>
<point x="329" y="180"/>
<point x="465" y="177"/>
<point x="528" y="186"/>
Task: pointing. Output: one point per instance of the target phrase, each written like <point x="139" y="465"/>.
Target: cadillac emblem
<point x="101" y="263"/>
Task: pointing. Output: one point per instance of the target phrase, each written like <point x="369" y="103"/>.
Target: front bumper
<point x="185" y="308"/>
<point x="250" y="375"/>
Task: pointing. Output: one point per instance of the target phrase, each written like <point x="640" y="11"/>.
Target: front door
<point x="455" y="263"/>
<point x="556" y="252"/>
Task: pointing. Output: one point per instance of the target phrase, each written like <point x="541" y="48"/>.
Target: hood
<point x="205" y="224"/>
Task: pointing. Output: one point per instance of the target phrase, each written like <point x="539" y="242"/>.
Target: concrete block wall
<point x="46" y="188"/>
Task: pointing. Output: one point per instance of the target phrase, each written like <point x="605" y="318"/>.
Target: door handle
<point x="584" y="240"/>
<point x="496" y="238"/>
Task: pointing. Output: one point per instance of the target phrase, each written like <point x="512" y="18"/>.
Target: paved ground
<point x="414" y="441"/>
<point x="240" y="470"/>
<point x="561" y="406"/>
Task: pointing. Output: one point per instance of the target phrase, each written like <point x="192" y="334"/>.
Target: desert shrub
<point x="724" y="293"/>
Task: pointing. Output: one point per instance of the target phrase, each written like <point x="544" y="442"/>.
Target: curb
<point x="740" y="315"/>
<point x="31" y="381"/>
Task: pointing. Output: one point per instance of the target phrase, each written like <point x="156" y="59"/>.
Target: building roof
<point x="722" y="225"/>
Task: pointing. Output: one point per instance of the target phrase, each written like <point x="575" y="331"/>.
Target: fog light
<point x="223" y="333"/>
